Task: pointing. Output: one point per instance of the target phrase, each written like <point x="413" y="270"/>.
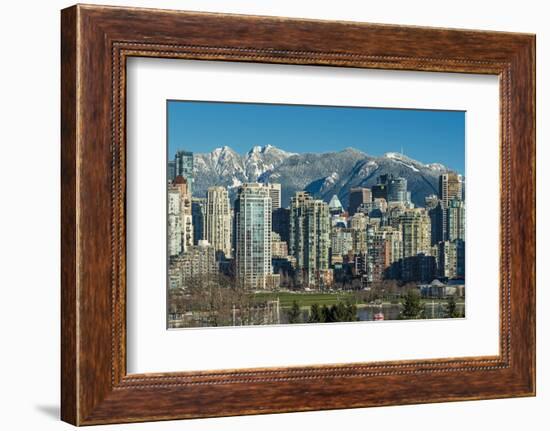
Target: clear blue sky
<point x="425" y="135"/>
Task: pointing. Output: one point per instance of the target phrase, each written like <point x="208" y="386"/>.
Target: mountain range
<point x="321" y="174"/>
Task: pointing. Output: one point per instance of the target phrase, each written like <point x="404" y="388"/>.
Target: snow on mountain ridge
<point x="414" y="164"/>
<point x="321" y="174"/>
<point x="436" y="166"/>
<point x="225" y="166"/>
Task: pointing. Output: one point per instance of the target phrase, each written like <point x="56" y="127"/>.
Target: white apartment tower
<point x="218" y="220"/>
<point x="180" y="219"/>
<point x="275" y="194"/>
<point x="416" y="232"/>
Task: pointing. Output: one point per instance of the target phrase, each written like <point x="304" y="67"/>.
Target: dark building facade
<point x="438" y="219"/>
<point x="422" y="268"/>
<point x="380" y="191"/>
<point x="280" y="223"/>
<point x="357" y="197"/>
<point x="198" y="214"/>
<point x="171" y="170"/>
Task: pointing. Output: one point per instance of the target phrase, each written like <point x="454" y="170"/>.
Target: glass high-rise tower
<point x="253" y="236"/>
<point x="183" y="166"/>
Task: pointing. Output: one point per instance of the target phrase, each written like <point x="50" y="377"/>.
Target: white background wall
<point x="29" y="233"/>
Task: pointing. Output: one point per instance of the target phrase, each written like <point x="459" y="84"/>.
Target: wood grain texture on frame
<point x="95" y="42"/>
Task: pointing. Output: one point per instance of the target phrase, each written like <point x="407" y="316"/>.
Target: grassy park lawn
<point x="307" y="299"/>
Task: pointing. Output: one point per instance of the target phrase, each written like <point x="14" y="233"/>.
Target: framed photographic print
<point x="268" y="215"/>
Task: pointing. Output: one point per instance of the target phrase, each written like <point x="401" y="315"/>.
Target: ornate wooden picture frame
<point x="96" y="41"/>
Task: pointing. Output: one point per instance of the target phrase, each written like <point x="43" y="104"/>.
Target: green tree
<point x="412" y="307"/>
<point x="315" y="314"/>
<point x="351" y="311"/>
<point x="294" y="314"/>
<point x="452" y="309"/>
<point x="339" y="312"/>
<point x="326" y="315"/>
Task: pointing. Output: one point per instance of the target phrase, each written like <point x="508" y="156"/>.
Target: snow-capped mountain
<point x="321" y="174"/>
<point x="224" y="166"/>
<point x="261" y="160"/>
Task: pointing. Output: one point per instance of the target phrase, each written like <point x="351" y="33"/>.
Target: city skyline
<point x="318" y="129"/>
<point x="386" y="239"/>
<point x="275" y="237"/>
